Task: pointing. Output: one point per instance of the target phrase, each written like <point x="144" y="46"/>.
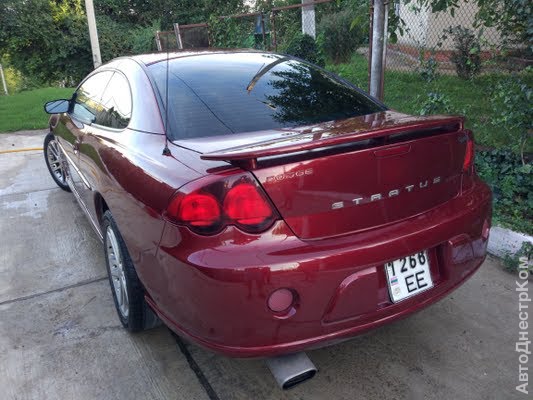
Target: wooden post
<point x="178" y="35"/>
<point x="158" y="41"/>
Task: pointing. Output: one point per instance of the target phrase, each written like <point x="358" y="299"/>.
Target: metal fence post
<point x="263" y="31"/>
<point x="378" y="40"/>
<point x="273" y="27"/>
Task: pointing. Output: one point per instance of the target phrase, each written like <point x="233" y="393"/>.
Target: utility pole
<point x="93" y="33"/>
<point x="378" y="50"/>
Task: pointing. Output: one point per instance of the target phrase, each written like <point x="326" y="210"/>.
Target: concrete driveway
<point x="61" y="339"/>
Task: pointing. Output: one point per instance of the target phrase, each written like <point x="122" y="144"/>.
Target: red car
<point x="260" y="205"/>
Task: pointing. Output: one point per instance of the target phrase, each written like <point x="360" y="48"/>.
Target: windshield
<point x="220" y="94"/>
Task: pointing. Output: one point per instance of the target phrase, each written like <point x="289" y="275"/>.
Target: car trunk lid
<point x="345" y="176"/>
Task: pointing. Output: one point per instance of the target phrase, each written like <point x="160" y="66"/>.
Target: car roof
<point x="153" y="58"/>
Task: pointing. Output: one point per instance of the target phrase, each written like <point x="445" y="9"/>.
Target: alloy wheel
<point x="55" y="161"/>
<point x="116" y="269"/>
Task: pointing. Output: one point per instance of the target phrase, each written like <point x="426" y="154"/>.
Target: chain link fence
<point x="447" y="42"/>
<point x="273" y="30"/>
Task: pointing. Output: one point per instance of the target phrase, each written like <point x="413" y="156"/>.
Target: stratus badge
<point x="387" y="195"/>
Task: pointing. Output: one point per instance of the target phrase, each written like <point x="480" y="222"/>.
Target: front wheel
<point x="54" y="161"/>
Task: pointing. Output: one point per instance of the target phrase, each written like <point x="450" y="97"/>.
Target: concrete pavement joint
<point x="196" y="368"/>
<point x="61" y="289"/>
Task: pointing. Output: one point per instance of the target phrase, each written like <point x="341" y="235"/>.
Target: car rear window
<point x="220" y="94"/>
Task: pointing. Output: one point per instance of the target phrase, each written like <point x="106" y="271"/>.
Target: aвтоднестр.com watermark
<point x="523" y="342"/>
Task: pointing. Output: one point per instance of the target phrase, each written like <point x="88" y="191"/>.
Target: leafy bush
<point x="143" y="40"/>
<point x="231" y="33"/>
<point x="512" y="18"/>
<point x="14" y="79"/>
<point x="511" y="105"/>
<point x="305" y="47"/>
<point x="512" y="263"/>
<point x="436" y="103"/>
<point x="341" y="34"/>
<point x="288" y="26"/>
<point x="512" y="188"/>
<point x="466" y="54"/>
<point x="428" y="67"/>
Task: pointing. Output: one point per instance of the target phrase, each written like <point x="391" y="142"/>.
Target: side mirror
<point x="57" y="106"/>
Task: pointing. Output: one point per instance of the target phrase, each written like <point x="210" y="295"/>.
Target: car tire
<point x="54" y="162"/>
<point x="127" y="290"/>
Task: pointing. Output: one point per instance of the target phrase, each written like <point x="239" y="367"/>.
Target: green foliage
<point x="428" y="67"/>
<point x="47" y="41"/>
<point x="305" y="47"/>
<point x="142" y="38"/>
<point x="231" y="32"/>
<point x="512" y="263"/>
<point x="511" y="105"/>
<point x="341" y="33"/>
<point x="512" y="18"/>
<point x="512" y="187"/>
<point x="144" y="13"/>
<point x="13" y="80"/>
<point x="114" y="38"/>
<point x="466" y="53"/>
<point x="436" y="103"/>
<point x="288" y="25"/>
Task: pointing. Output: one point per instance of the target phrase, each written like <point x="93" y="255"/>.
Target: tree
<point x="48" y="40"/>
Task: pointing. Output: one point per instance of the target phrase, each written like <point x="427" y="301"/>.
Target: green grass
<point x="24" y="110"/>
<point x="408" y="92"/>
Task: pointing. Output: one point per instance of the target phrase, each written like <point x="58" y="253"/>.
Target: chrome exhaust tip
<point x="292" y="369"/>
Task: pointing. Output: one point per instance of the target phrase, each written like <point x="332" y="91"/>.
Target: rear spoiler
<point x="247" y="155"/>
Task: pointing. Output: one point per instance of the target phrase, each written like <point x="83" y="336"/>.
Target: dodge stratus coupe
<point x="259" y="205"/>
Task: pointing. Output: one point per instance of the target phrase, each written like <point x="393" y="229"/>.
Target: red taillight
<point x="244" y="205"/>
<point x="198" y="209"/>
<point x="469" y="155"/>
<point x="207" y="205"/>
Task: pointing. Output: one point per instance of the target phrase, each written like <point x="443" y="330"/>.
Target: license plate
<point x="408" y="276"/>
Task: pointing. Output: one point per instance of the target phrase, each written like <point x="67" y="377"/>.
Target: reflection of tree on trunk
<point x="305" y="95"/>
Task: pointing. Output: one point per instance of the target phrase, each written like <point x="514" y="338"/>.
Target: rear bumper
<point x="214" y="290"/>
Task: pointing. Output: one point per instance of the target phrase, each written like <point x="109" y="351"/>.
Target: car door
<point x="85" y="105"/>
<point x="111" y="119"/>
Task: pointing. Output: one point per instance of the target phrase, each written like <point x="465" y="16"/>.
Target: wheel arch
<point x="100" y="206"/>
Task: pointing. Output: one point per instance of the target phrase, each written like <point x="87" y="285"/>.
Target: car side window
<point x="116" y="104"/>
<point x="87" y="99"/>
